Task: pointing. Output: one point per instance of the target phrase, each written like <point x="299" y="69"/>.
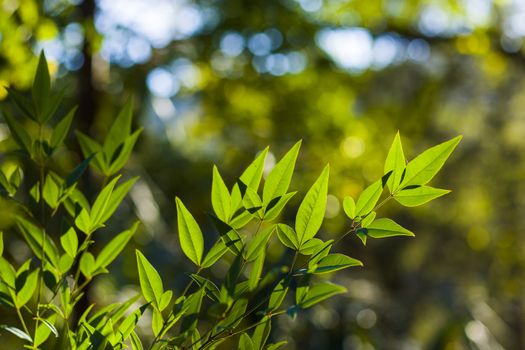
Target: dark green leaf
<point x="120" y="129"/>
<point x="41" y="87"/>
<point x="62" y="128"/>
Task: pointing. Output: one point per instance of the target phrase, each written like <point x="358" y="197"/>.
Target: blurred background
<point x="216" y="81"/>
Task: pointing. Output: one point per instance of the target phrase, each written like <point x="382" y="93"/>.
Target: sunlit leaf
<point x="258" y="243"/>
<point x="312" y="209"/>
<point x="395" y="162"/>
<point x="27" y="291"/>
<point x="114" y="247"/>
<point x="150" y="281"/>
<point x="335" y="262"/>
<point x="368" y="198"/>
<point x="320" y="292"/>
<point x="278" y="180"/>
<point x="19" y="333"/>
<point x="384" y="227"/>
<point x="288" y="236"/>
<point x="413" y="197"/>
<point x="220" y="197"/>
<point x="190" y="235"/>
<point x="425" y="166"/>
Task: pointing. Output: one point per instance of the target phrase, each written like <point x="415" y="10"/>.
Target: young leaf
<point x="271" y="211"/>
<point x="312" y="209"/>
<point x="114" y="247"/>
<point x="425" y="166"/>
<point x="395" y="162"/>
<point x="120" y="129"/>
<point x="150" y="281"/>
<point x="279" y="178"/>
<point x="69" y="241"/>
<point x="253" y="173"/>
<point x="335" y="262"/>
<point x="349" y="207"/>
<point x="99" y="207"/>
<point x="123" y="153"/>
<point x="287" y="236"/>
<point x="51" y="192"/>
<point x="245" y="343"/>
<point x="417" y="196"/>
<point x="117" y="196"/>
<point x="367" y="220"/>
<point x="83" y="222"/>
<point x="368" y="198"/>
<point x="190" y="234"/>
<point x="27" y="291"/>
<point x="220" y="197"/>
<point x="62" y="128"/>
<point x="41" y="87"/>
<point x="87" y="264"/>
<point x="19" y="133"/>
<point x="382" y="228"/>
<point x="214" y="254"/>
<point x="255" y="273"/>
<point x="320" y="292"/>
<point x="258" y="243"/>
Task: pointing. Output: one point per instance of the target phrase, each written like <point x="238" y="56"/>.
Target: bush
<point x="56" y="220"/>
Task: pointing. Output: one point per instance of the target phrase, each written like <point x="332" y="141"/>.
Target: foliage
<point x="46" y="289"/>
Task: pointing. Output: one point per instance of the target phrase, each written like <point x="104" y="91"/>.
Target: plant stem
<point x="22" y="320"/>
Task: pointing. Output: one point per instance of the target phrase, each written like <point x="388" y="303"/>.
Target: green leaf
<point x="24" y="104"/>
<point x="99" y="207"/>
<point x="256" y="271"/>
<point x="395" y="162"/>
<point x="150" y="281"/>
<point x="83" y="222"/>
<point x="261" y="333"/>
<point x="136" y="344"/>
<point x="335" y="262"/>
<point x="382" y="228"/>
<point x="417" y="196"/>
<point x="368" y="198"/>
<point x="349" y="207"/>
<point x="19" y="133"/>
<point x="258" y="243"/>
<point x="120" y="129"/>
<point x="367" y="220"/>
<point x="278" y="294"/>
<point x="220" y="197"/>
<point x="190" y="234"/>
<point x="62" y="128"/>
<point x="34" y="236"/>
<point x="44" y="330"/>
<point x="87" y="264"/>
<point x="276" y="345"/>
<point x="69" y="241"/>
<point x="312" y="209"/>
<point x="123" y="153"/>
<point x="117" y="196"/>
<point x="320" y="292"/>
<point x="73" y="177"/>
<point x="229" y="235"/>
<point x="287" y="236"/>
<point x="253" y="173"/>
<point x="51" y="192"/>
<point x="91" y="147"/>
<point x="114" y="247"/>
<point x="156" y="322"/>
<point x="278" y="180"/>
<point x="310" y="246"/>
<point x="41" y="87"/>
<point x="19" y="333"/>
<point x="192" y="304"/>
<point x="1" y="243"/>
<point x="425" y="166"/>
<point x="27" y="291"/>
<point x="130" y="322"/>
<point x="245" y="343"/>
<point x="252" y="202"/>
<point x="272" y="211"/>
<point x="214" y="254"/>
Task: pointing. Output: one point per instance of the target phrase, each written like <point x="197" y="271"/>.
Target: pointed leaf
<point x="62" y="128"/>
<point x="395" y="162"/>
<point x="214" y="254"/>
<point x="417" y="196"/>
<point x="99" y="207"/>
<point x="117" y="196"/>
<point x="258" y="243"/>
<point x="287" y="236"/>
<point x="253" y="173"/>
<point x="335" y="262"/>
<point x="27" y="291"/>
<point x="150" y="281"/>
<point x="120" y="129"/>
<point x="272" y="211"/>
<point x="69" y="241"/>
<point x="19" y="333"/>
<point x="382" y="228"/>
<point x="87" y="264"/>
<point x="91" y="147"/>
<point x="320" y="292"/>
<point x="368" y="198"/>
<point x="73" y="177"/>
<point x="19" y="133"/>
<point x="220" y="197"/>
<point x="124" y="153"/>
<point x="425" y="166"/>
<point x="279" y="178"/>
<point x="229" y="235"/>
<point x="245" y="343"/>
<point x="41" y="87"/>
<point x="114" y="247"/>
<point x="190" y="234"/>
<point x="312" y="209"/>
